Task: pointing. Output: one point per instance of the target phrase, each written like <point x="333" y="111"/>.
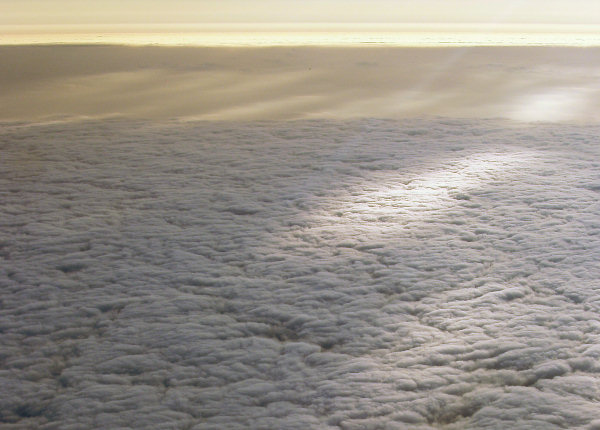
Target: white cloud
<point x="214" y="275"/>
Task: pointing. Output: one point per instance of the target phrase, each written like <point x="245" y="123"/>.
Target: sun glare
<point x="561" y="104"/>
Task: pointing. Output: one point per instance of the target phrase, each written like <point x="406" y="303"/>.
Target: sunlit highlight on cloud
<point x="555" y="105"/>
<point x="440" y="189"/>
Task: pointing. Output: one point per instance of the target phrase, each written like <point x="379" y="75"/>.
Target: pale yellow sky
<point x="85" y="12"/>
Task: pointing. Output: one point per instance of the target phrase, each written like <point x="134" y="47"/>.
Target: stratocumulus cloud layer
<point x="373" y="274"/>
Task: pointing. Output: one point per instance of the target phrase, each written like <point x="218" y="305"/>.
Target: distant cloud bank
<point x="518" y="83"/>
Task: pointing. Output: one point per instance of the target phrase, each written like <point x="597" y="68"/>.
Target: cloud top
<point x="225" y="275"/>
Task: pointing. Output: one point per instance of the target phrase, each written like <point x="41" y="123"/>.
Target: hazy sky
<point x="59" y="12"/>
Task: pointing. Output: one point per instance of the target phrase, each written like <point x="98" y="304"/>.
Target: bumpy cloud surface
<point x="312" y="274"/>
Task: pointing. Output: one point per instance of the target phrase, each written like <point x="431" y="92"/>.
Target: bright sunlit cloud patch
<point x="440" y="189"/>
<point x="561" y="104"/>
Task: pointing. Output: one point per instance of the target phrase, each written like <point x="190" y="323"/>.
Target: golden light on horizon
<point x="151" y="12"/>
<point x="301" y="34"/>
<point x="312" y="22"/>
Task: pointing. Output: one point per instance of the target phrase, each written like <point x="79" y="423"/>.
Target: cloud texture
<point x="369" y="274"/>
